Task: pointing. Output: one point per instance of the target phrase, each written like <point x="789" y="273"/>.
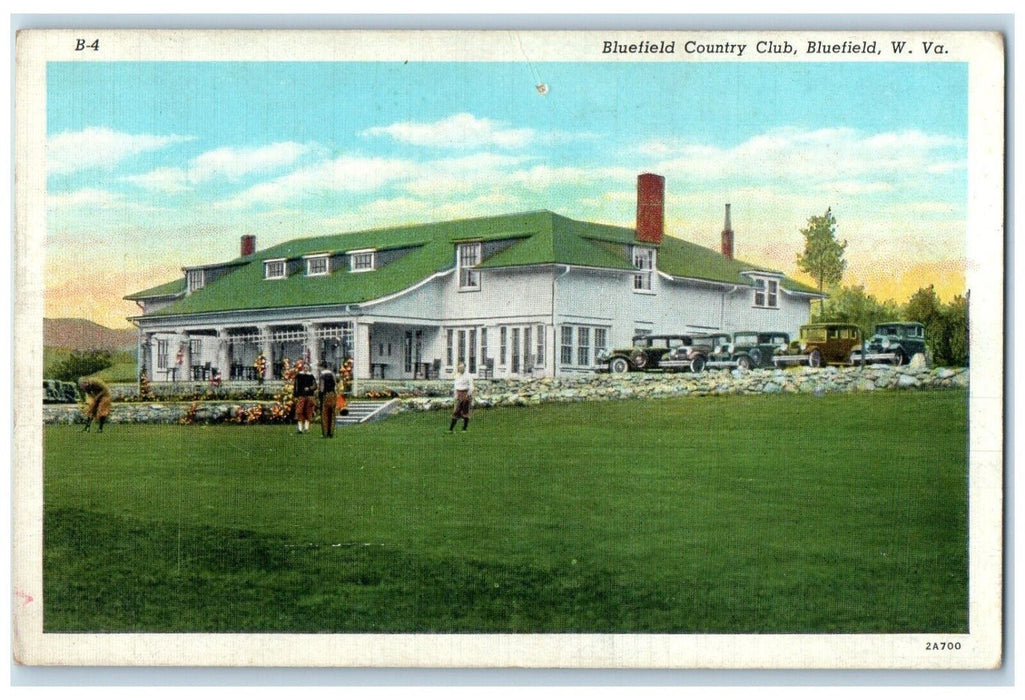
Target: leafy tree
<point x="956" y="321"/>
<point x="855" y="305"/>
<point x="823" y="254"/>
<point x="82" y="363"/>
<point x="925" y="307"/>
<point x="946" y="325"/>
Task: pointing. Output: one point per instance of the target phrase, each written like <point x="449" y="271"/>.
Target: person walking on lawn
<point x="463" y="388"/>
<point x="304" y="388"/>
<point x="328" y="401"/>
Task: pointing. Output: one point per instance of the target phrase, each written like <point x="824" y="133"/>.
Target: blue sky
<point x="163" y="164"/>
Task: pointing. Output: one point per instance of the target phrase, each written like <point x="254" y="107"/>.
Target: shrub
<point x="82" y="363"/>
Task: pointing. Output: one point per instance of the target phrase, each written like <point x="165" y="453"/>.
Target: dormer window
<point x="766" y="293"/>
<point x="274" y="269"/>
<point x="196" y="280"/>
<point x="362" y="260"/>
<point x="318" y="265"/>
<point x="644" y="261"/>
<point x="468" y="256"/>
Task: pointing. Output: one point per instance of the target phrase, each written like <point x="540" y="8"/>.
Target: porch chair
<point x="487" y="368"/>
<point x="434" y="370"/>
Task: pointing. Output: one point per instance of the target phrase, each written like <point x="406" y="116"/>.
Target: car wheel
<point x="898" y="359"/>
<point x="744" y="362"/>
<point x="815" y="359"/>
<point x="619" y="365"/>
<point x="639" y="359"/>
<point x="697" y="364"/>
<point x="756" y="357"/>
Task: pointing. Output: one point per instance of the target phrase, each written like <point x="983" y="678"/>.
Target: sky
<point x="155" y="166"/>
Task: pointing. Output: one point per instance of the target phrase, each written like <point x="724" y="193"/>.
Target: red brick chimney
<point x="248" y="245"/>
<point x="650" y="208"/>
<point x="727" y="236"/>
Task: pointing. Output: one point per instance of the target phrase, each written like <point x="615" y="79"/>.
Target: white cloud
<point x="451" y="176"/>
<point x="233" y="163"/>
<point x="86" y="197"/>
<point x="225" y="163"/>
<point x="401" y="210"/>
<point x="457" y="131"/>
<point x="343" y="174"/>
<point x="100" y="147"/>
<point x="166" y="180"/>
<point x="794" y="156"/>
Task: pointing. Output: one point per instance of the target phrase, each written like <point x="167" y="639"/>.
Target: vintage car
<point x="821" y="343"/>
<point x="749" y="349"/>
<point x="894" y="342"/>
<point x="694" y="357"/>
<point x="647" y="354"/>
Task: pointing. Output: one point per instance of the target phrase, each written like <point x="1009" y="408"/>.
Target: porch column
<point x="145" y="363"/>
<point x="268" y="355"/>
<point x="223" y="361"/>
<point x="181" y="345"/>
<point x="313" y="344"/>
<point x="361" y="351"/>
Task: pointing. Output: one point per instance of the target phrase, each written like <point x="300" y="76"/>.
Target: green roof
<point x="169" y="289"/>
<point x="543" y="238"/>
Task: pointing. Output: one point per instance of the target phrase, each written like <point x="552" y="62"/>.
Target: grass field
<point x="842" y="513"/>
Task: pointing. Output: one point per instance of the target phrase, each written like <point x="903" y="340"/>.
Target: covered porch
<point x="258" y="353"/>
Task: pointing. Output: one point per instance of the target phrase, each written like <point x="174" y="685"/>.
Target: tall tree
<point x="823" y="254"/>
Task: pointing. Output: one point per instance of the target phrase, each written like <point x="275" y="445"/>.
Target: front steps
<point x="366" y="411"/>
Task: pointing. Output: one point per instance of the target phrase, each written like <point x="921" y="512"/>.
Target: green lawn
<point x="842" y="513"/>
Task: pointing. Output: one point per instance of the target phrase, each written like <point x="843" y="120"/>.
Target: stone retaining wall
<point x="602" y="387"/>
<point x="605" y="387"/>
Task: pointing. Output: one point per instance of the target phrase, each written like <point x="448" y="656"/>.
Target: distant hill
<point x="81" y="334"/>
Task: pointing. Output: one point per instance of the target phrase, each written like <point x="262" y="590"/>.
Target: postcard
<point x="509" y="349"/>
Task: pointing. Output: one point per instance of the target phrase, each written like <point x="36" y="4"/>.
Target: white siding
<point x="503" y="294"/>
<point x="741" y="313"/>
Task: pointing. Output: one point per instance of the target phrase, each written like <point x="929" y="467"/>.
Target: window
<point x="196" y="280"/>
<point x="766" y="293"/>
<point x="644" y="260"/>
<point x="162" y="347"/>
<point x="601" y="341"/>
<point x="539" y="358"/>
<point x="472" y="364"/>
<point x="514" y="360"/>
<point x="362" y="260"/>
<point x="528" y="363"/>
<point x="484" y="343"/>
<point x="274" y="269"/>
<point x="195" y="349"/>
<point x="317" y="265"/>
<point x="566" y="353"/>
<point x="583" y="346"/>
<point x="448" y="347"/>
<point x="503" y="338"/>
<point x="468" y="257"/>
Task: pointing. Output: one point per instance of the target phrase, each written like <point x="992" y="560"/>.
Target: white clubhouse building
<point x="528" y="294"/>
